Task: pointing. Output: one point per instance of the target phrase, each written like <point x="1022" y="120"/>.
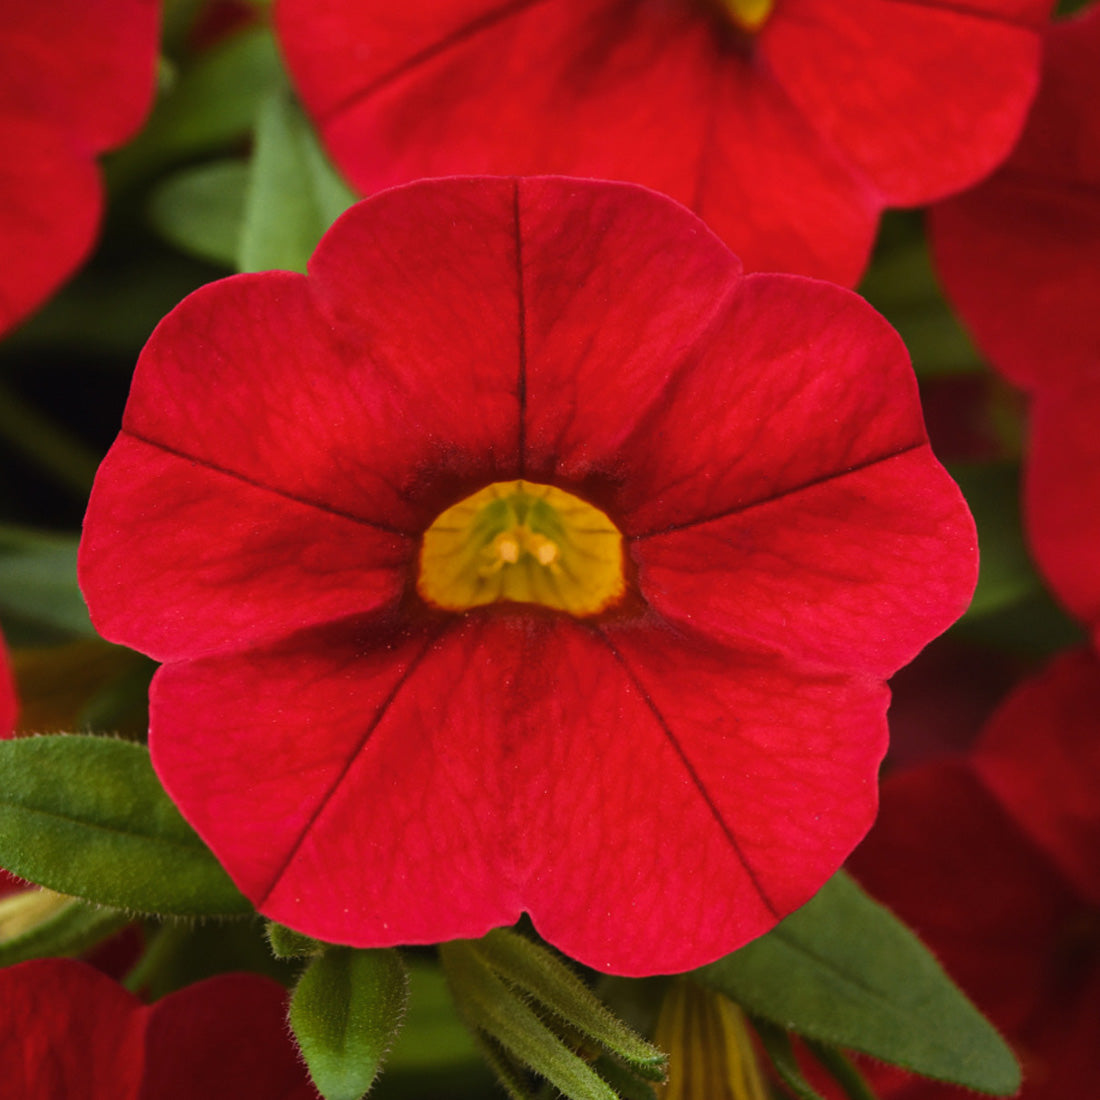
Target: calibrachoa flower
<point x="994" y="859"/>
<point x="68" y="1032"/>
<point x="525" y="556"/>
<point x="789" y="125"/>
<point x="1019" y="256"/>
<point x="76" y="78"/>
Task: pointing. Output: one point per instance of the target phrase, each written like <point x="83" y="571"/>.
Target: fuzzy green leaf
<point x="345" y="1012"/>
<point x="87" y="816"/>
<point x="842" y="970"/>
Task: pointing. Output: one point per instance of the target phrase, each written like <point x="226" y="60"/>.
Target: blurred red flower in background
<point x="1019" y="257"/>
<point x="525" y="556"/>
<point x="68" y="1032"/>
<point x="994" y="859"/>
<point x="76" y="78"/>
<point x="789" y="136"/>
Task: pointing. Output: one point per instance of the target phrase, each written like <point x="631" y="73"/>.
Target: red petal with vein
<point x="1061" y="491"/>
<point x="804" y="584"/>
<point x="517" y="763"/>
<point x="832" y="62"/>
<point x="226" y="1036"/>
<point x="790" y="155"/>
<point x="68" y="1031"/>
<point x="1019" y="255"/>
<point x="76" y="78"/>
<point x="222" y="562"/>
<point x="1040" y="755"/>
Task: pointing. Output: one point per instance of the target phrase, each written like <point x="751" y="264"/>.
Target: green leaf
<point x="200" y="210"/>
<point x="213" y="103"/>
<point x="38" y="582"/>
<point x="842" y="970"/>
<point x="87" y="816"/>
<point x="293" y="194"/>
<point x="345" y="1012"/>
<point x="843" y="1072"/>
<point x="777" y="1046"/>
<point x="64" y="926"/>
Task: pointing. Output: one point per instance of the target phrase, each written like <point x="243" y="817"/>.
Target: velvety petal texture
<point x="992" y="859"/>
<point x="68" y="1032"/>
<point x="656" y="782"/>
<point x="786" y="141"/>
<point x="76" y="78"/>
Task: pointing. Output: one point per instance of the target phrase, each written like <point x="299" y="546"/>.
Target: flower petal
<point x="1040" y="756"/>
<point x="1018" y="255"/>
<point x="961" y="80"/>
<point x="444" y="783"/>
<point x="226" y="1036"/>
<point x="619" y="286"/>
<point x="793" y="575"/>
<point x="49" y="208"/>
<point x="949" y="861"/>
<point x="222" y="562"/>
<point x="1061" y="491"/>
<point x="800" y="382"/>
<point x="67" y="1030"/>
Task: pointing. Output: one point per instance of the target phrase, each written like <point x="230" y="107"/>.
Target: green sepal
<point x="777" y="1046"/>
<point x="87" y="816"/>
<point x="293" y="193"/>
<point x="843" y="971"/>
<point x="501" y="1015"/>
<point x="200" y="209"/>
<point x="72" y="928"/>
<point x="535" y="971"/>
<point x="288" y="944"/>
<point x="345" y="1012"/>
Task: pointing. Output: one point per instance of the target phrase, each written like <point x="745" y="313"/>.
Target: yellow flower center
<point x="514" y="540"/>
<point x="749" y="15"/>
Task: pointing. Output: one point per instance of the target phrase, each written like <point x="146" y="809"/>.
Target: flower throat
<point x="525" y="543"/>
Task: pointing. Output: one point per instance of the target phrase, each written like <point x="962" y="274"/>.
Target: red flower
<point x="76" y="78"/>
<point x="9" y="704"/>
<point x="525" y="557"/>
<point x="788" y="132"/>
<point x="995" y="861"/>
<point x="1019" y="255"/>
<point x="68" y="1031"/>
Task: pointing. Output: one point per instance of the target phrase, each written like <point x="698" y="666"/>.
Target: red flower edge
<point x="67" y="1030"/>
<point x="1018" y="255"/>
<point x="786" y="143"/>
<point x="76" y="78"/>
<point x="992" y="858"/>
<point x="655" y="785"/>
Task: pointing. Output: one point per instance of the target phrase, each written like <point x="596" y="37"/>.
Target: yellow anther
<point x="525" y="543"/>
